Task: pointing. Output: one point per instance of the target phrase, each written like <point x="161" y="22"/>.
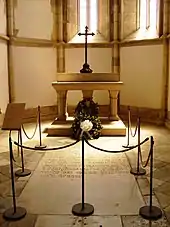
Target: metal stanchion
<point x="22" y="172"/>
<point x="128" y="129"/>
<point x="18" y="142"/>
<point x="151" y="212"/>
<point x="14" y="213"/>
<point x="82" y="209"/>
<point x="138" y="170"/>
<point x="39" y="124"/>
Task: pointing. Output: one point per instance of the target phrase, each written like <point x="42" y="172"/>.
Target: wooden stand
<point x="13" y="122"/>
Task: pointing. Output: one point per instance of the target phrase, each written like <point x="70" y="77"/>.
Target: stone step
<point x="110" y="128"/>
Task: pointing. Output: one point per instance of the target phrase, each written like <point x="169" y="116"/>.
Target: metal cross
<point x="86" y="67"/>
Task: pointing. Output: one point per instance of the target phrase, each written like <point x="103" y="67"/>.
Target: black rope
<point x="130" y="124"/>
<point x="10" y="133"/>
<point x="129" y="148"/>
<point x="133" y="135"/>
<point x="47" y="149"/>
<point x="31" y="137"/>
<point x="148" y="158"/>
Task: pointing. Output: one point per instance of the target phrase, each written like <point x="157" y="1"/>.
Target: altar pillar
<point x="62" y="105"/>
<point x="113" y="96"/>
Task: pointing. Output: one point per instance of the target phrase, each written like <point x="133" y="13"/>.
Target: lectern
<point x="13" y="122"/>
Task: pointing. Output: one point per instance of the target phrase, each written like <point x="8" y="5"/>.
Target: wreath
<point x="86" y="118"/>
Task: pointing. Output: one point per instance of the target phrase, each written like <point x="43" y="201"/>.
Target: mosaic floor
<point x="54" y="185"/>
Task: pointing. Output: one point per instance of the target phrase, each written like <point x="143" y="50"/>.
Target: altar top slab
<point x="83" y="77"/>
<point x="87" y="85"/>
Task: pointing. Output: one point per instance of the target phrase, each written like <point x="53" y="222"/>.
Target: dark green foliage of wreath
<point x="87" y="109"/>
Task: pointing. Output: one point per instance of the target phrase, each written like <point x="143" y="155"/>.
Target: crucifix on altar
<point x="86" y="66"/>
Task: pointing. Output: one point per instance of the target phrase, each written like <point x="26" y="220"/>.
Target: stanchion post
<point x="14" y="213"/>
<point x="138" y="170"/>
<point x="12" y="175"/>
<point x="22" y="156"/>
<point x="18" y="143"/>
<point x="39" y="125"/>
<point x="128" y="126"/>
<point x="23" y="171"/>
<point x="83" y="209"/>
<point x="138" y="158"/>
<point x="128" y="129"/>
<point x="82" y="172"/>
<point x="151" y="212"/>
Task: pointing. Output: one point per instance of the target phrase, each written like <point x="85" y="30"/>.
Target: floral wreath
<point x="86" y="119"/>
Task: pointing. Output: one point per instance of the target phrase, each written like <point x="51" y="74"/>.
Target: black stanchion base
<point x="136" y="171"/>
<point x="21" y="173"/>
<point x="154" y="214"/>
<point x="11" y="216"/>
<point x="87" y="211"/>
<point x="40" y="146"/>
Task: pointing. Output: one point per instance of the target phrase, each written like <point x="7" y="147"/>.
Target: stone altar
<point x="87" y="84"/>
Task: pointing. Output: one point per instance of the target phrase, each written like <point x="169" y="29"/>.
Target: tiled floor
<point x="54" y="185"/>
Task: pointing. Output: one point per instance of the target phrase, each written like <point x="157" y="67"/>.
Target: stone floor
<point x="54" y="185"/>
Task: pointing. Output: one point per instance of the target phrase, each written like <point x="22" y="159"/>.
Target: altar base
<point x="110" y="128"/>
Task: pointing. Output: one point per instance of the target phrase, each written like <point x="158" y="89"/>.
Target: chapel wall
<point x="168" y="115"/>
<point x="38" y="53"/>
<point x="129" y="15"/>
<point x="141" y="73"/>
<point x="4" y="96"/>
<point x="33" y="53"/>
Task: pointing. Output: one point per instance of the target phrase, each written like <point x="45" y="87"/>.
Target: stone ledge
<point x="147" y="115"/>
<point x="110" y="128"/>
<point x="50" y="113"/>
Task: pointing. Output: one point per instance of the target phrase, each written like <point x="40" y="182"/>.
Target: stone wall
<point x="72" y="19"/>
<point x="104" y="18"/>
<point x="39" y="51"/>
<point x="129" y="17"/>
<point x="4" y="96"/>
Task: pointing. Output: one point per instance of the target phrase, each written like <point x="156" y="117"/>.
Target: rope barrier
<point x="139" y="148"/>
<point x="130" y="124"/>
<point x="129" y="127"/>
<point x="148" y="158"/>
<point x="46" y="149"/>
<point x="10" y="134"/>
<point x="31" y="137"/>
<point x="120" y="151"/>
<point x="18" y="147"/>
<point x="151" y="212"/>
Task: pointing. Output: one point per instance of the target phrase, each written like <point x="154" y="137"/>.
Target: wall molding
<point x="4" y="37"/>
<point x="32" y="42"/>
<point x="36" y="42"/>
<point x="144" y="42"/>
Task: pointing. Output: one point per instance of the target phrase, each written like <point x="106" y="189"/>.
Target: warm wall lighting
<point x="88" y="15"/>
<point x="153" y="14"/>
<point x="83" y="15"/>
<point x="144" y="14"/>
<point x="93" y="15"/>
